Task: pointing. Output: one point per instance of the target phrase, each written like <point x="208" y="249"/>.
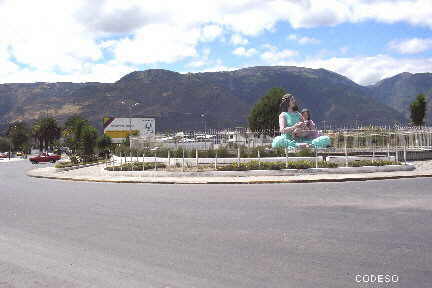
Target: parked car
<point x="45" y="157"/>
<point x="4" y="155"/>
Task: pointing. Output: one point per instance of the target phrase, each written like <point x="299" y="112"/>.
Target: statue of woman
<point x="291" y="125"/>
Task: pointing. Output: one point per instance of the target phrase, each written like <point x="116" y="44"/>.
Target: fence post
<point x="396" y="148"/>
<point x="238" y="156"/>
<point x="259" y="159"/>
<point x="143" y="161"/>
<point x="405" y="154"/>
<point x="388" y="148"/>
<point x="286" y="158"/>
<point x="169" y="158"/>
<point x="196" y="156"/>
<point x="373" y="152"/>
<point x="183" y="162"/>
<point x="316" y="157"/>
<point x="346" y="152"/>
<point x="155" y="165"/>
<point x="215" y="163"/>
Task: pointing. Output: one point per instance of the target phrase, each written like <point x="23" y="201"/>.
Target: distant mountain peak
<point x="150" y="75"/>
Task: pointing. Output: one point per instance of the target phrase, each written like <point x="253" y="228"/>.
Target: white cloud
<point x="106" y="72"/>
<point x="202" y="60"/>
<point x="158" y="43"/>
<point x="274" y="56"/>
<point x="46" y="38"/>
<point x="62" y="38"/>
<point x="237" y="39"/>
<point x="241" y="51"/>
<point x="211" y="32"/>
<point x="367" y="70"/>
<point x="219" y="67"/>
<point x="411" y="46"/>
<point x="303" y="40"/>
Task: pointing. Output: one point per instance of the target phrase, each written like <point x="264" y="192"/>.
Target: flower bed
<point x="246" y="166"/>
<point x="361" y="163"/>
<point x="255" y="165"/>
<point x="224" y="152"/>
<point x="136" y="166"/>
<point x="69" y="164"/>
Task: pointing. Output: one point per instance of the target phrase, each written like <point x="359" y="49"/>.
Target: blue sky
<point x="102" y="40"/>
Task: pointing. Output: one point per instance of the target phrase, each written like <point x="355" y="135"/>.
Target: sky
<point x="103" y="40"/>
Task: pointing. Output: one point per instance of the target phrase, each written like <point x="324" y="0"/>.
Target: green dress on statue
<point x="286" y="140"/>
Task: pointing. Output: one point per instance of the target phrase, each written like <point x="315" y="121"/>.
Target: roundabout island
<point x="176" y="175"/>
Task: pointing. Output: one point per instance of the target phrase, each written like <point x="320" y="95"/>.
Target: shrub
<point x="72" y="164"/>
<point x="136" y="166"/>
<point x="361" y="163"/>
<point x="256" y="165"/>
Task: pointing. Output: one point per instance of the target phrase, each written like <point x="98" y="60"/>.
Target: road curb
<point x="236" y="180"/>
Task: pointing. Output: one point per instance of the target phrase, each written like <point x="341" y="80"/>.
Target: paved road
<point x="76" y="234"/>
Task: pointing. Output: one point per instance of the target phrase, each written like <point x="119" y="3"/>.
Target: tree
<point x="36" y="132"/>
<point x="418" y="110"/>
<point x="19" y="134"/>
<point x="46" y="131"/>
<point x="103" y="143"/>
<point x="4" y="144"/>
<point x="88" y="140"/>
<point x="265" y="113"/>
<point x="73" y="132"/>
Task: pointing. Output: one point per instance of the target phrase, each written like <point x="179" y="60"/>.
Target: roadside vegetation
<point x="224" y="152"/>
<point x="245" y="166"/>
<point x="77" y="138"/>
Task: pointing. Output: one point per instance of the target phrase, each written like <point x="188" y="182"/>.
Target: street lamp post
<point x="130" y="107"/>
<point x="10" y="140"/>
<point x="203" y="116"/>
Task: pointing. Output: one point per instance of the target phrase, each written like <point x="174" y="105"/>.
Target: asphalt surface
<point x="76" y="234"/>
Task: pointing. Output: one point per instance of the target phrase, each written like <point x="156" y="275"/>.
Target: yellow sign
<point x="120" y="133"/>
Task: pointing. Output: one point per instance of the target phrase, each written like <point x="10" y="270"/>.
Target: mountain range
<point x="221" y="99"/>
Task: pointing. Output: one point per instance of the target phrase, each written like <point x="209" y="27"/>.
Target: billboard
<point x="119" y="128"/>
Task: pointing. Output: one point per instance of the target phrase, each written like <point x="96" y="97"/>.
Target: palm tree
<point x="51" y="131"/>
<point x="46" y="131"/>
<point x="36" y="132"/>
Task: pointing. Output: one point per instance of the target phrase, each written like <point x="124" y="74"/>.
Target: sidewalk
<point x="98" y="174"/>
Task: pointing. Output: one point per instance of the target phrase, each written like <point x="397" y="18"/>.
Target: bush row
<point x="256" y="165"/>
<point x="71" y="164"/>
<point x="136" y="166"/>
<point x="221" y="153"/>
<point x="361" y="163"/>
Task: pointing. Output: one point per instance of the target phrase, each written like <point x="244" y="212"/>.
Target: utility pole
<point x="10" y="142"/>
<point x="203" y="116"/>
<point x="130" y="107"/>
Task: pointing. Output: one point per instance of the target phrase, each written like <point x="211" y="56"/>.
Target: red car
<point x="44" y="157"/>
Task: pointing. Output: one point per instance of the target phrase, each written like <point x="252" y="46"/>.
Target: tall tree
<point x="88" y="140"/>
<point x="73" y="132"/>
<point x="19" y="134"/>
<point x="4" y="144"/>
<point x="36" y="132"/>
<point x="265" y="113"/>
<point x="418" y="110"/>
<point x="46" y="131"/>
